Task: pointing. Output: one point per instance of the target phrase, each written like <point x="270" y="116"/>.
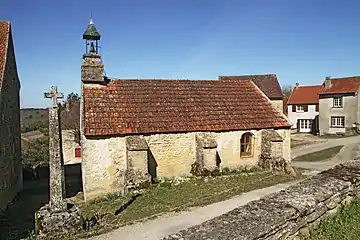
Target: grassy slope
<point x="320" y="155"/>
<point x="165" y="197"/>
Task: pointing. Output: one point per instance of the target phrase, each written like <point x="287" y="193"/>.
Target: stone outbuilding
<point x="10" y="133"/>
<point x="136" y="131"/>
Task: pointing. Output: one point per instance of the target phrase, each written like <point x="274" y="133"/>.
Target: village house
<point x="135" y="131"/>
<point x="10" y="140"/>
<point x="339" y="104"/>
<point x="268" y="84"/>
<point x="303" y="108"/>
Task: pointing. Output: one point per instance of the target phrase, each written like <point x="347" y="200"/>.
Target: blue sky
<point x="299" y="40"/>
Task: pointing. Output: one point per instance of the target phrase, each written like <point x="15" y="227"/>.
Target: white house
<point x="303" y="108"/>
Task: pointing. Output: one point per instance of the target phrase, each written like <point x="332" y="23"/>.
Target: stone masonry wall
<point x="287" y="214"/>
<point x="103" y="166"/>
<point x="10" y="144"/>
<point x="104" y="161"/>
<point x="278" y="104"/>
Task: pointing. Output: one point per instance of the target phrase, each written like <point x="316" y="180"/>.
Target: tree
<point x="287" y="89"/>
<point x="70" y="115"/>
<point x="72" y="97"/>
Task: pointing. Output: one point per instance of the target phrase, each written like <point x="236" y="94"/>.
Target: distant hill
<point x="34" y="119"/>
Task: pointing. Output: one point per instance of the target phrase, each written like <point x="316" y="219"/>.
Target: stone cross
<point x="56" y="161"/>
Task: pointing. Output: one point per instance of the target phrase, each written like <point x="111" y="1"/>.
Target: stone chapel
<point x="138" y="129"/>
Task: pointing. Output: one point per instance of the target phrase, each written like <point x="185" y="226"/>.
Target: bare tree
<point x="70" y="116"/>
<point x="287" y="89"/>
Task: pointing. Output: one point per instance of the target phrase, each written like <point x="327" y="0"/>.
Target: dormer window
<point x="299" y="108"/>
<point x="337" y="102"/>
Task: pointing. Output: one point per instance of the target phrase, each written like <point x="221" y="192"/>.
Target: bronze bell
<point x="92" y="48"/>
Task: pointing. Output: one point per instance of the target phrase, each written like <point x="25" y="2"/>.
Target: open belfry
<point x="135" y="131"/>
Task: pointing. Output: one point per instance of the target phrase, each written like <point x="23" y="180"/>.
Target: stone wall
<point x="105" y="161"/>
<point x="68" y="146"/>
<point x="287" y="214"/>
<point x="279" y="104"/>
<point x="103" y="166"/>
<point x="10" y="141"/>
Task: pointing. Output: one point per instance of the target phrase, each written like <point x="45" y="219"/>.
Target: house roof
<point x="342" y="85"/>
<point x="305" y="95"/>
<point x="4" y="41"/>
<point x="268" y="83"/>
<point x="164" y="106"/>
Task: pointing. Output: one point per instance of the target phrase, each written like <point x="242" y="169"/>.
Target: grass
<point x="343" y="225"/>
<point x="170" y="197"/>
<point x="320" y="155"/>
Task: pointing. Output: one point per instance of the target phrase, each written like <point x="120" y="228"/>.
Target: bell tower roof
<point x="91" y="33"/>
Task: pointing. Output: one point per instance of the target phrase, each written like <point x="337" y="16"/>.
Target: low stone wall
<point x="287" y="214"/>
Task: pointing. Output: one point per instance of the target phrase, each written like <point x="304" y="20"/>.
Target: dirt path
<point x="174" y="222"/>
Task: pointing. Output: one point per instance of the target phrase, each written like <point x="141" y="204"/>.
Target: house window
<point x="246" y="143"/>
<point x="299" y="108"/>
<point x="305" y="124"/>
<point x="337" y="102"/>
<point x="337" y="122"/>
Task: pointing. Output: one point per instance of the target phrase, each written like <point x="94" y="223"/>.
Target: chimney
<point x="327" y="82"/>
<point x="296" y="84"/>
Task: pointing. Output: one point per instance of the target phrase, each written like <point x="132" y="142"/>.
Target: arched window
<point x="246" y="144"/>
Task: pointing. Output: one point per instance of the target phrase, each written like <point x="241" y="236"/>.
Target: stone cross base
<point x="50" y="224"/>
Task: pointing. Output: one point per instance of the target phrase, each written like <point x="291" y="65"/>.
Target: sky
<point x="300" y="40"/>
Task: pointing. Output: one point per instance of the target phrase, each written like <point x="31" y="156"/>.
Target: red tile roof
<point x="268" y="83"/>
<point x="342" y="85"/>
<point x="305" y="95"/>
<point x="4" y="41"/>
<point x="164" y="106"/>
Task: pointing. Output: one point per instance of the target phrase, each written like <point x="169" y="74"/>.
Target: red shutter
<point x="294" y="108"/>
<point x="306" y="108"/>
<point x="78" y="152"/>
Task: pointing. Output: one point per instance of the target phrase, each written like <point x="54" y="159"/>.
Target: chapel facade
<point x="135" y="131"/>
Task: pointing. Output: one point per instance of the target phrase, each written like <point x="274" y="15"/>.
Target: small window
<point x="337" y="102"/>
<point x="338" y="122"/>
<point x="77" y="152"/>
<point x="299" y="108"/>
<point x="246" y="143"/>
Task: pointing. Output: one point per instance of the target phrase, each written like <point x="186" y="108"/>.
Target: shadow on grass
<point x="127" y="204"/>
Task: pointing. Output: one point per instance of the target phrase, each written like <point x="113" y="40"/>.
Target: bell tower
<point x="92" y="68"/>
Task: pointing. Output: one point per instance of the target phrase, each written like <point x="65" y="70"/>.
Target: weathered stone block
<point x="347" y="200"/>
<point x="50" y="224"/>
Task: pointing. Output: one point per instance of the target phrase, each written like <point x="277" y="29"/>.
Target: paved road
<point x="332" y="142"/>
<point x="173" y="222"/>
<point x="350" y="151"/>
